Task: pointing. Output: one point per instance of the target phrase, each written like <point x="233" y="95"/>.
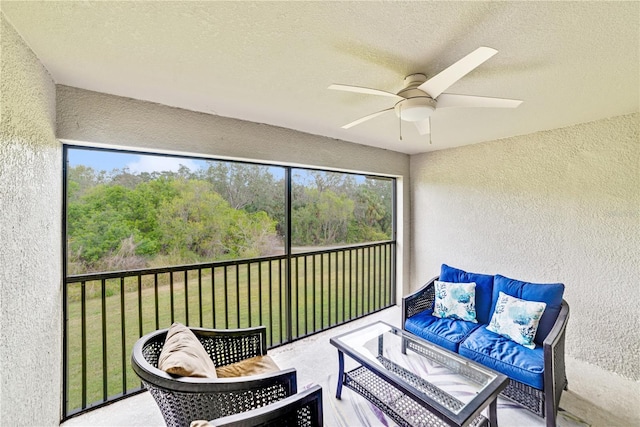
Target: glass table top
<point x="434" y="373"/>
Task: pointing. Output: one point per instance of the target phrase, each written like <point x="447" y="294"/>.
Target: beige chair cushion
<point x="184" y="355"/>
<point x="252" y="366"/>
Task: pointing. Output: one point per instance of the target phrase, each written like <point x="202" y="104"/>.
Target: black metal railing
<point x="292" y="295"/>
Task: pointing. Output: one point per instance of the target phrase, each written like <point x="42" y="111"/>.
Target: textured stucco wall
<point x="560" y="205"/>
<point x="114" y="121"/>
<point x="30" y="229"/>
<point x="107" y="119"/>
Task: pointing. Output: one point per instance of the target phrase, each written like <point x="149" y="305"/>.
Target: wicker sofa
<point x="537" y="376"/>
<point x="185" y="399"/>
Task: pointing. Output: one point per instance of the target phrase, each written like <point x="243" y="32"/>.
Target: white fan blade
<point x="423" y="126"/>
<point x="365" y="118"/>
<point x="441" y="81"/>
<point x="367" y="90"/>
<point x="448" y="100"/>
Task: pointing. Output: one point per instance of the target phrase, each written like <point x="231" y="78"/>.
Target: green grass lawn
<point x="325" y="291"/>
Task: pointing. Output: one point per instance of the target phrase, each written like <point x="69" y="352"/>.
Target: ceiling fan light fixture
<point x="415" y="109"/>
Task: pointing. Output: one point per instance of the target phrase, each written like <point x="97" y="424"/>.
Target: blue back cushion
<point x="549" y="293"/>
<point x="484" y="289"/>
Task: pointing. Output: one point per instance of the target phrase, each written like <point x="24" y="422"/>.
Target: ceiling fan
<point x="420" y="96"/>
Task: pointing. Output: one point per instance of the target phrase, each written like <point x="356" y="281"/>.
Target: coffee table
<point x="415" y="382"/>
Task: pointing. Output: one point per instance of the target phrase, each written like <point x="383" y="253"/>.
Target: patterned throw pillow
<point x="455" y="300"/>
<point x="516" y="319"/>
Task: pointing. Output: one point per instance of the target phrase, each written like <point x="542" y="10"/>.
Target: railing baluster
<point x="226" y="297"/>
<point x="336" y="288"/>
<point x="213" y="297"/>
<point x="105" y="371"/>
<point x="313" y="286"/>
<point x="237" y="296"/>
<point x="155" y="293"/>
<point x="372" y="277"/>
<point x="370" y="295"/>
<point x="200" y="294"/>
<point x="361" y="282"/>
<point x="260" y="295"/>
<point x="380" y="300"/>
<point x="283" y="301"/>
<point x="376" y="279"/>
<point x="357" y="252"/>
<point x="270" y="303"/>
<point x="83" y="337"/>
<point x="297" y="288"/>
<point x="321" y="291"/>
<point x="344" y="282"/>
<point x="392" y="275"/>
<point x="140" y="306"/>
<point x="384" y="283"/>
<point x="249" y="307"/>
<point x="171" y="295"/>
<point x="328" y="289"/>
<point x="305" y="296"/>
<point x="186" y="297"/>
<point x="123" y="337"/>
<point x="351" y="299"/>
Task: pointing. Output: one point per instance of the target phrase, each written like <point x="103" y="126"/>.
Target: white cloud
<point x="160" y="164"/>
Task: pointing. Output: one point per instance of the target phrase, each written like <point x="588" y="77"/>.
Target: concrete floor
<point x="596" y="396"/>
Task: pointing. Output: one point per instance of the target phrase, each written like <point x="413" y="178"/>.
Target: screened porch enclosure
<point x="329" y="257"/>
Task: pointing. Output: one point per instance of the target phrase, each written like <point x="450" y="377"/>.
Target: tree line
<point x="122" y="220"/>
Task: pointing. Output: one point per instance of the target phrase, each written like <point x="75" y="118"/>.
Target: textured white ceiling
<point x="271" y="62"/>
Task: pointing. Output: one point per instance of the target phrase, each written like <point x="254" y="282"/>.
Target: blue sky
<point x="108" y="160"/>
<point x="101" y="160"/>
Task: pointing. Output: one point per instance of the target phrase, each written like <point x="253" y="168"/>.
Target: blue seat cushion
<point x="549" y="293"/>
<point x="447" y="333"/>
<point x="484" y="289"/>
<point x="505" y="356"/>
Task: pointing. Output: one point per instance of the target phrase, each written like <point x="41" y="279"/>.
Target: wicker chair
<point x="543" y="403"/>
<point x="185" y="399"/>
<point x="301" y="410"/>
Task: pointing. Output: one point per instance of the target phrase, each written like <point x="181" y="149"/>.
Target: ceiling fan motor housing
<point x="417" y="105"/>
